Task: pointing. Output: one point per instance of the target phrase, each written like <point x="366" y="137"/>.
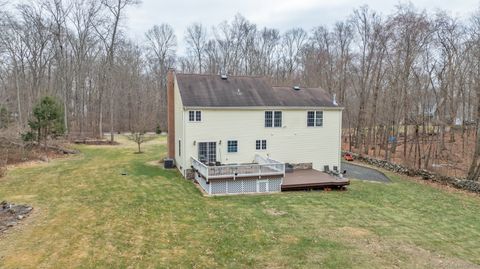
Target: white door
<point x="207" y="152"/>
<point x="262" y="185"/>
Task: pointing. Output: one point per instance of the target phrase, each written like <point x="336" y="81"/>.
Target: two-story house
<point x="236" y="134"/>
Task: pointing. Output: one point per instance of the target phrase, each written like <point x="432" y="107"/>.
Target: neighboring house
<point x="235" y="134"/>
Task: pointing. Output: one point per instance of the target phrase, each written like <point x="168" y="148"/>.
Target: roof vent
<point x="297" y="88"/>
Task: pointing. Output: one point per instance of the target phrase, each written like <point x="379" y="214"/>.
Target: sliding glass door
<point x="207" y="152"/>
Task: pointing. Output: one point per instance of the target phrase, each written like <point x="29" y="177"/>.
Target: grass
<point x="87" y="215"/>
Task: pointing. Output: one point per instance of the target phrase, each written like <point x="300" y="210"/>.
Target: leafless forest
<point x="409" y="80"/>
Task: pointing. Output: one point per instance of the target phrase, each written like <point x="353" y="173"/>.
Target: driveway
<point x="363" y="173"/>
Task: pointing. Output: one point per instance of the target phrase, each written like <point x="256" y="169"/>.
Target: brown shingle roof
<point x="245" y="91"/>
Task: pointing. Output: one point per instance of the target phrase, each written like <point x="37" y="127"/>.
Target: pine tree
<point x="48" y="119"/>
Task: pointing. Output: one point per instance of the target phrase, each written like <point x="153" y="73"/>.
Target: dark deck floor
<point x="311" y="179"/>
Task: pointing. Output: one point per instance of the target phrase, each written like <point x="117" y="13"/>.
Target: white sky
<point x="280" y="14"/>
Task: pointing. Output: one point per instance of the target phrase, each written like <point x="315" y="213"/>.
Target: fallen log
<point x="57" y="149"/>
<point x="40" y="145"/>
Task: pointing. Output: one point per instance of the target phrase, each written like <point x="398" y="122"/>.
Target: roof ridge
<point x="248" y="76"/>
<point x="283" y="86"/>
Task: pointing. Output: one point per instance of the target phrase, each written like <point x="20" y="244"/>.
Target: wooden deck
<point x="311" y="179"/>
<point x="262" y="168"/>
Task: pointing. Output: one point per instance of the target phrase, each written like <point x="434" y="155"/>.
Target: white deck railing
<point x="262" y="167"/>
<point x="200" y="167"/>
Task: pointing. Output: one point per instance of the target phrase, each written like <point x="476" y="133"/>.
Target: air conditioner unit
<point x="168" y="164"/>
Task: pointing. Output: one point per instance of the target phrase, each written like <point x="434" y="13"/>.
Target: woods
<point x="409" y="80"/>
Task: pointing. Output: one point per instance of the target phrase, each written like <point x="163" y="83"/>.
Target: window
<point x="273" y="118"/>
<point x="268" y="118"/>
<point x="319" y="118"/>
<point x="277" y="122"/>
<point x="261" y="144"/>
<point x="311" y="118"/>
<point x="232" y="146"/>
<point x="179" y="147"/>
<point x="207" y="152"/>
<point x="315" y="118"/>
<point x="194" y="116"/>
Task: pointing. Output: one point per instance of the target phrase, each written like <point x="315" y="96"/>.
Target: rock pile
<point x="11" y="214"/>
<point x="460" y="183"/>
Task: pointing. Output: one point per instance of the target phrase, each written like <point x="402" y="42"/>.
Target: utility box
<point x="168" y="163"/>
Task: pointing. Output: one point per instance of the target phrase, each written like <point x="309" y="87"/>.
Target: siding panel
<point x="294" y="142"/>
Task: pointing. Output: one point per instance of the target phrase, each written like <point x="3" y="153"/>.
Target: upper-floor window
<point x="261" y="144"/>
<point x="194" y="115"/>
<point x="232" y="146"/>
<point x="273" y="118"/>
<point x="314" y="118"/>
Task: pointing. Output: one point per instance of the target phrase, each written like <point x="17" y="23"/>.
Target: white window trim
<point x="315" y="119"/>
<point x="235" y="152"/>
<point x="217" y="147"/>
<point x="194" y="116"/>
<point x="261" y="140"/>
<point x="273" y="118"/>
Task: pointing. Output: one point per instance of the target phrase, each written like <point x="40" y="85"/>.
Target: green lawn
<point x="87" y="215"/>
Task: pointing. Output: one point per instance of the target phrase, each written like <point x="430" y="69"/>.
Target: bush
<point x="158" y="130"/>
<point x="3" y="170"/>
<point x="3" y="159"/>
<point x="4" y="117"/>
<point x="29" y="136"/>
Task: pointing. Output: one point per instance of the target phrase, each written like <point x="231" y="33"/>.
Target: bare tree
<point x="293" y="42"/>
<point x="109" y="37"/>
<point x="409" y="81"/>
<point x="59" y="12"/>
<point x="196" y="39"/>
<point x="474" y="171"/>
<point x="161" y="45"/>
<point x="139" y="138"/>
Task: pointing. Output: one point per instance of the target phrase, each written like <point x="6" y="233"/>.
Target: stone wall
<point x="460" y="183"/>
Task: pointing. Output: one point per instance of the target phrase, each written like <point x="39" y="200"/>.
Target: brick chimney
<point x="171" y="113"/>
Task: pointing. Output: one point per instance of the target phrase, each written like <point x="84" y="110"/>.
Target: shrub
<point x="4" y="117"/>
<point x="29" y="136"/>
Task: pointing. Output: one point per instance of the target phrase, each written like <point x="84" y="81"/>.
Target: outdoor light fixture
<point x="194" y="142"/>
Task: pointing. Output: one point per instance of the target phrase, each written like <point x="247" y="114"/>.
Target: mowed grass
<point x="87" y="215"/>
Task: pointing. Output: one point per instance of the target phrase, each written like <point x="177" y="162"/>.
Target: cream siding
<point x="294" y="142"/>
<point x="179" y="129"/>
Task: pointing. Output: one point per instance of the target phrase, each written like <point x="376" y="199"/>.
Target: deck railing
<point x="200" y="167"/>
<point x="262" y="167"/>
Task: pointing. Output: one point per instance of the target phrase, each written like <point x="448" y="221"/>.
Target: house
<point x="238" y="134"/>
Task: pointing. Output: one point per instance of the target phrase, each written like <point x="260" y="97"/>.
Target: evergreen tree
<point x="4" y="117"/>
<point x="48" y="119"/>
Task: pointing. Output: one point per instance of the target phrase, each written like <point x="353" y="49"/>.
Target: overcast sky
<point x="280" y="14"/>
